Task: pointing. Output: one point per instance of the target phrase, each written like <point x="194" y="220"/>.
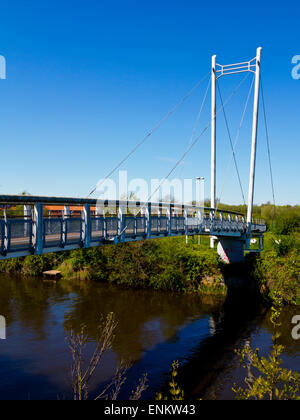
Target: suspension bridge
<point x="36" y="225"/>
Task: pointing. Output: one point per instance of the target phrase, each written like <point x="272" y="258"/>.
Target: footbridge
<point x="36" y="225"/>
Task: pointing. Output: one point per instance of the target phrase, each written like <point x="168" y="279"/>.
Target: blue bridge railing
<point x="36" y="225"/>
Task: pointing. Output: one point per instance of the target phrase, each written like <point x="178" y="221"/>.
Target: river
<point x="154" y="329"/>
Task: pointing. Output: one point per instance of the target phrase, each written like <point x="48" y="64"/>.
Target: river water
<point x="154" y="329"/>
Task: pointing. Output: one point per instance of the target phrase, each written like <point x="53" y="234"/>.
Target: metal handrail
<point x="21" y="199"/>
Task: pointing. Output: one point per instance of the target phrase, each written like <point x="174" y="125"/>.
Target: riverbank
<point x="166" y="264"/>
<point x="172" y="265"/>
<point x="278" y="268"/>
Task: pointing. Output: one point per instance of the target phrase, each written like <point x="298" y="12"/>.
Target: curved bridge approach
<point x="37" y="225"/>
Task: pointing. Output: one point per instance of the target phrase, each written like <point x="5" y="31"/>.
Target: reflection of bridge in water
<point x="208" y="366"/>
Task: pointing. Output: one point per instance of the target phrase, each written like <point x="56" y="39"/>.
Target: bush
<point x="278" y="273"/>
<point x="285" y="225"/>
<point x="165" y="264"/>
<point x="282" y="245"/>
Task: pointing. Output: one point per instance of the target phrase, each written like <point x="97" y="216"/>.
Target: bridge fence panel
<point x="217" y="225"/>
<point x="53" y="233"/>
<point x="111" y="227"/>
<point x="130" y="226"/>
<point x="194" y="225"/>
<point x="98" y="229"/>
<point x="73" y="231"/>
<point x="206" y="224"/>
<point x="234" y="226"/>
<point x="159" y="225"/>
<point x="258" y="227"/>
<point x="141" y="226"/>
<point x="177" y="224"/>
<point x="241" y="226"/>
<point x="135" y="226"/>
<point x="19" y="235"/>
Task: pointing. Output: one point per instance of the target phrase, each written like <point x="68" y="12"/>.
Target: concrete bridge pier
<point x="231" y="250"/>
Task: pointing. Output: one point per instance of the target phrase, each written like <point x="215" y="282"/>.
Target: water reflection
<point x="39" y="315"/>
<point x="213" y="368"/>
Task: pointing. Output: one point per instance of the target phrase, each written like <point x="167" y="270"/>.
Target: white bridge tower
<point x="233" y="249"/>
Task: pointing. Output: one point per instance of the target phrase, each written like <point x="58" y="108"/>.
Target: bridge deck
<point x="37" y="231"/>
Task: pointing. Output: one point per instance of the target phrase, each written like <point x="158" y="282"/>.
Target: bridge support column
<point x="87" y="226"/>
<point x="231" y="250"/>
<point x="169" y="215"/>
<point x="67" y="211"/>
<point x="38" y="229"/>
<point x="27" y="216"/>
<point x="122" y="223"/>
<point x="186" y="221"/>
<point x="98" y="213"/>
<point x="212" y="238"/>
<point x="200" y="219"/>
<point x="5" y="230"/>
<point x="66" y="215"/>
<point x="148" y="218"/>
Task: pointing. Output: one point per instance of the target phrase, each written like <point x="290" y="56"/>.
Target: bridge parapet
<point x="36" y="225"/>
<point x="258" y="226"/>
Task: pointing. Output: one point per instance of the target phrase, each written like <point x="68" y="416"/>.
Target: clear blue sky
<point x="87" y="79"/>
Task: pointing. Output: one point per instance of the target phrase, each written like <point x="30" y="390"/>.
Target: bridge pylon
<point x="231" y="250"/>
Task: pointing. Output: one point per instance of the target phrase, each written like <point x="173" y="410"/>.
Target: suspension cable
<point x="236" y="141"/>
<point x="139" y="144"/>
<point x="197" y="121"/>
<point x="195" y="141"/>
<point x="268" y="146"/>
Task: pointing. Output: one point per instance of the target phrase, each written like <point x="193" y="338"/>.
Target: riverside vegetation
<point x="170" y="264"/>
<point x="83" y="370"/>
